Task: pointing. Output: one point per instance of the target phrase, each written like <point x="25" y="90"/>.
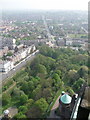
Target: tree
<point x="45" y="83"/>
<point x="69" y="90"/>
<point x="31" y="85"/>
<point x="23" y="109"/>
<point x="6" y="98"/>
<point x="28" y="69"/>
<point x="25" y="87"/>
<point x="49" y="72"/>
<point x="16" y="92"/>
<point x="47" y="93"/>
<point x="9" y="54"/>
<point x="38" y="110"/>
<point x="56" y="81"/>
<point x="17" y="42"/>
<point x="29" y="103"/>
<point x="79" y="59"/>
<point x="34" y="112"/>
<point x="36" y="94"/>
<point x="83" y="71"/>
<point x="42" y="105"/>
<point x="77" y="85"/>
<point x="47" y="51"/>
<point x="39" y="68"/>
<point x="23" y="99"/>
<point x="59" y="73"/>
<point x="48" y="62"/>
<point x="72" y="76"/>
<point x="20" y="115"/>
<point x="34" y="81"/>
<point x="56" y="76"/>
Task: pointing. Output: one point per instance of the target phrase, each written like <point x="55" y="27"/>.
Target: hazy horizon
<point x="44" y="5"/>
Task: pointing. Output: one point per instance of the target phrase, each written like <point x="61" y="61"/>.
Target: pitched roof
<point x="66" y="99"/>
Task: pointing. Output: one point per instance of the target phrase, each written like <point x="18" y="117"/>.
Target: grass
<point x="54" y="100"/>
<point x="78" y="35"/>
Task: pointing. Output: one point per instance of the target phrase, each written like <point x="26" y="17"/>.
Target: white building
<point x="14" y="43"/>
<point x="29" y="49"/>
<point x="6" y="66"/>
<point x="34" y="48"/>
<point x="69" y="42"/>
<point x="23" y="54"/>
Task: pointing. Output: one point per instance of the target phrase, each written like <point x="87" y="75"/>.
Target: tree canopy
<point x="52" y="70"/>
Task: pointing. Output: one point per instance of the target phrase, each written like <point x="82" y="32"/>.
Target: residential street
<point x="3" y="76"/>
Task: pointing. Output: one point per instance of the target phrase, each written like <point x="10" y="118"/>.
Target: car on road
<point x="13" y="68"/>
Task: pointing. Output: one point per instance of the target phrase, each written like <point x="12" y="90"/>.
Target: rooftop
<point x="66" y="99"/>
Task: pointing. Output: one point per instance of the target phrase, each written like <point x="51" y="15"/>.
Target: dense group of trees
<point x="38" y="82"/>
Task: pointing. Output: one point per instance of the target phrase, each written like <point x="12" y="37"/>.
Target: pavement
<point x="4" y="76"/>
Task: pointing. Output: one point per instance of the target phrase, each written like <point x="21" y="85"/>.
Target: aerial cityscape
<point x="44" y="65"/>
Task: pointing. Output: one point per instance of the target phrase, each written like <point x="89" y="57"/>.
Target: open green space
<point x="35" y="88"/>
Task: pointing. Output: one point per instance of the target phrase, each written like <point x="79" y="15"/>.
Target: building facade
<point x="6" y="66"/>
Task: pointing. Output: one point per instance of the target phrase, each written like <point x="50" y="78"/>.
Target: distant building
<point x="3" y="51"/>
<point x="50" y="44"/>
<point x="9" y="42"/>
<point x="33" y="47"/>
<point x="28" y="42"/>
<point x="19" y="47"/>
<point x="86" y="46"/>
<point x="31" y="42"/>
<point x="22" y="53"/>
<point x="61" y="42"/>
<point x="69" y="42"/>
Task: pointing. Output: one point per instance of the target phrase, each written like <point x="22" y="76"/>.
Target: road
<point x="84" y="30"/>
<point x="3" y="76"/>
<point x="47" y="29"/>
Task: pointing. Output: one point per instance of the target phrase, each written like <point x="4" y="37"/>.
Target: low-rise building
<point x="33" y="47"/>
<point x="50" y="44"/>
<point x="61" y="42"/>
<point x="6" y="66"/>
<point x="3" y="51"/>
<point x="21" y="54"/>
<point x="69" y="42"/>
<point x="9" y="42"/>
